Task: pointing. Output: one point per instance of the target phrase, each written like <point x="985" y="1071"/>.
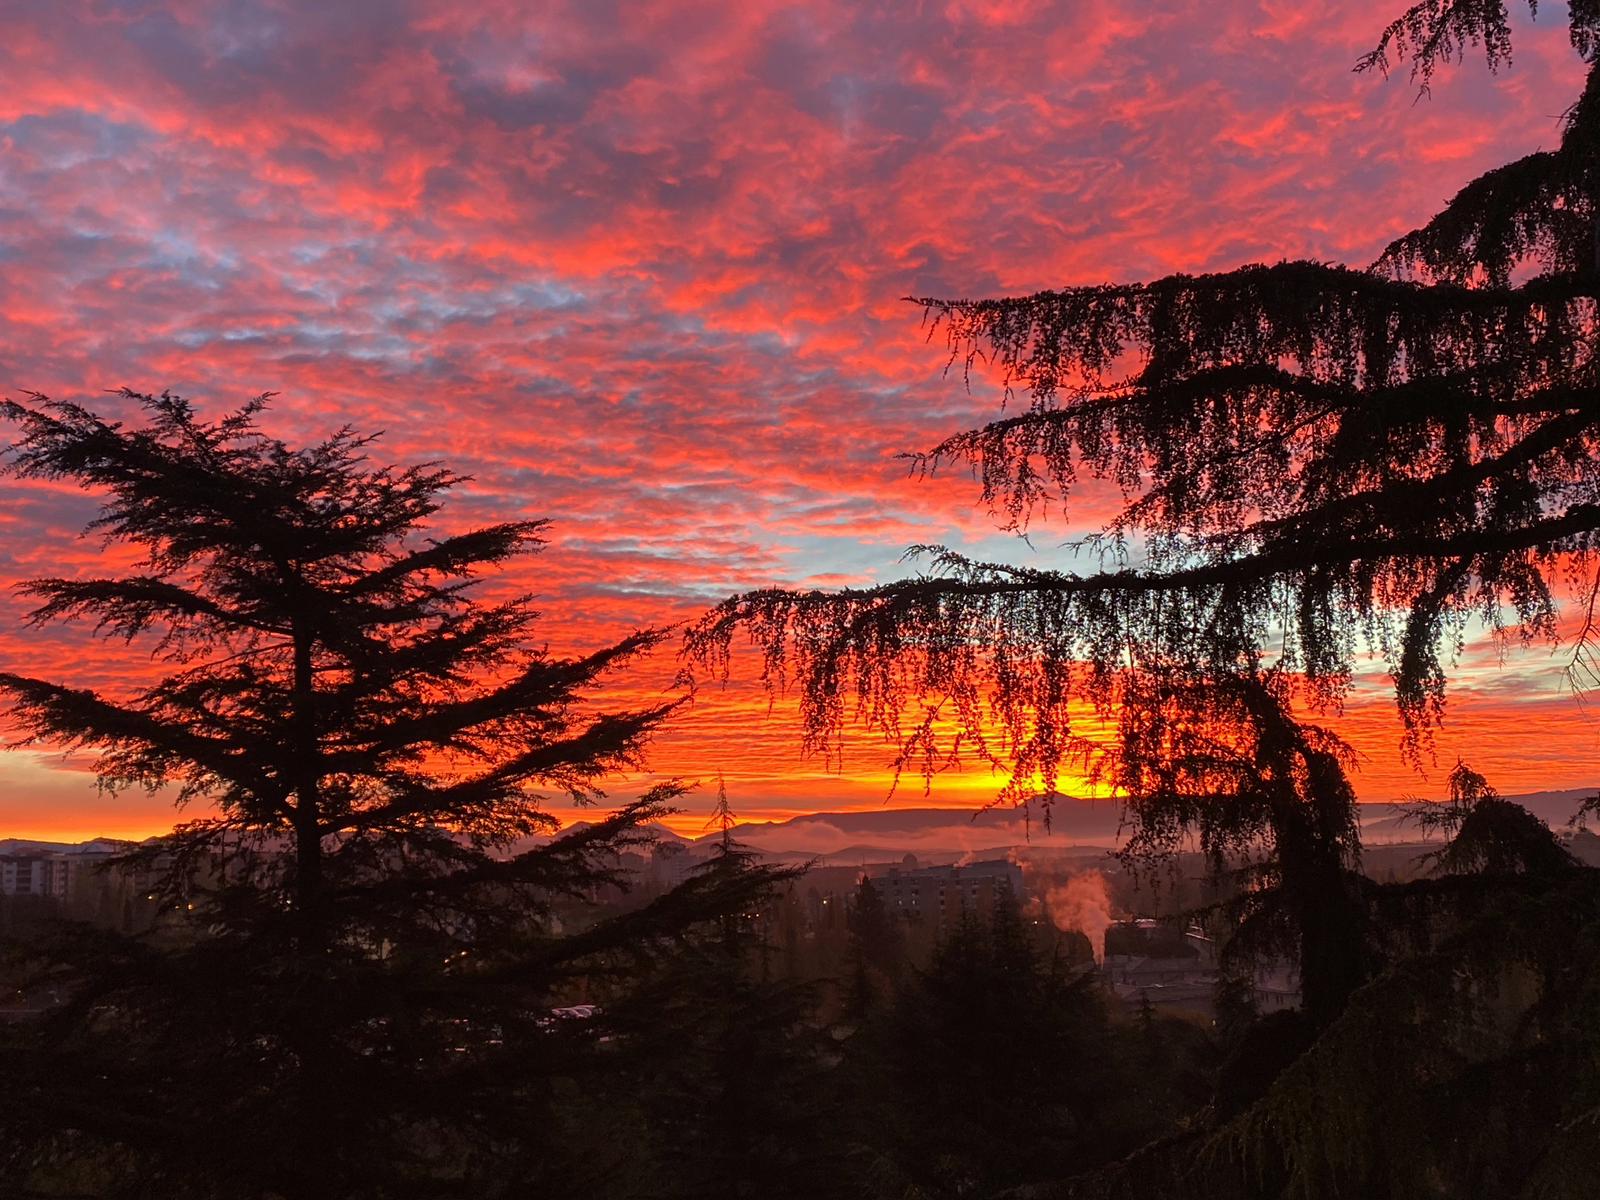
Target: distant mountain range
<point x="1389" y="822"/>
<point x="881" y="835"/>
<point x="1090" y="824"/>
<point x="92" y="846"/>
<point x="877" y="835"/>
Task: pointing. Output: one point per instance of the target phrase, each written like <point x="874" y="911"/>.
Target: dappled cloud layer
<point x="638" y="268"/>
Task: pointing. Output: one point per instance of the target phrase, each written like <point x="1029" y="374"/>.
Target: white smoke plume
<point x="1082" y="903"/>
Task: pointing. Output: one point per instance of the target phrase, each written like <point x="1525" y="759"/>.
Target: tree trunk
<point x="308" y="880"/>
<point x="1317" y="890"/>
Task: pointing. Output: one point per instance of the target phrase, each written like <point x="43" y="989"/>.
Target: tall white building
<point x="36" y="874"/>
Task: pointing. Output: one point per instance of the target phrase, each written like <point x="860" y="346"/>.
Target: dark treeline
<point x="997" y="1063"/>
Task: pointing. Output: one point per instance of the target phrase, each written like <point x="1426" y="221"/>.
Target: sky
<point x="639" y="268"/>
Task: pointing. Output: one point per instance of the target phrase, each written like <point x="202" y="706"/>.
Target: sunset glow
<point x="639" y="269"/>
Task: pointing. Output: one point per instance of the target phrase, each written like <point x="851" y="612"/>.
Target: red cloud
<point x="638" y="269"/>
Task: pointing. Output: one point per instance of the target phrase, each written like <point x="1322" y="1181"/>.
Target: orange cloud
<point x="637" y="268"/>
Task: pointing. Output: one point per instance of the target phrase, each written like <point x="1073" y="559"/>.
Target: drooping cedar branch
<point x="1315" y="461"/>
<point x="1434" y="32"/>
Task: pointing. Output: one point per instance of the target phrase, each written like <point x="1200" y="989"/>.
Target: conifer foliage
<point x="1315" y="459"/>
<point x="347" y="992"/>
<point x="732" y="1066"/>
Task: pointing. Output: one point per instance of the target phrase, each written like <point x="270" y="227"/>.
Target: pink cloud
<point x="638" y="267"/>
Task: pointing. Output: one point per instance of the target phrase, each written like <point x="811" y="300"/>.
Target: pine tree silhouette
<point x="347" y="991"/>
